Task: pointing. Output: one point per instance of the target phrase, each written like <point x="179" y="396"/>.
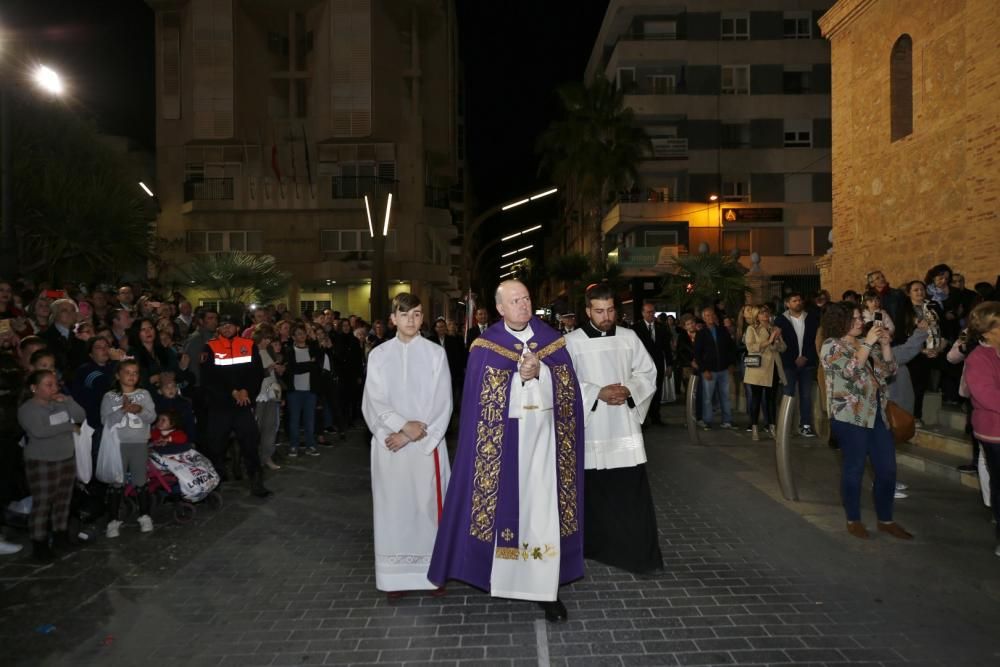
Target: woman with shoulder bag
<point x="857" y="370"/>
<point x="269" y="397"/>
<point x="763" y="365"/>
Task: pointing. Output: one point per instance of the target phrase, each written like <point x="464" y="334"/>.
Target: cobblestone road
<point x="749" y="579"/>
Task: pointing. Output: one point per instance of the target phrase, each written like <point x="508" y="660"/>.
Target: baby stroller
<point x="180" y="476"/>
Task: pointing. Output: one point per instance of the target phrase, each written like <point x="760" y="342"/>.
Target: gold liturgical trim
<point x="566" y="444"/>
<point x="493" y="347"/>
<point x="489" y="446"/>
<point x="555" y="345"/>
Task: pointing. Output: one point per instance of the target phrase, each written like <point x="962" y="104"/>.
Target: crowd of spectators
<point x="82" y="355"/>
<point x="314" y="370"/>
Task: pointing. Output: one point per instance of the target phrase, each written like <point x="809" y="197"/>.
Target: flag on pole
<point x="275" y="163"/>
<point x="305" y="147"/>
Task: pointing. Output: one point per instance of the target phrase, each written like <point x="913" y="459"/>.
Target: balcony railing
<point x="208" y="189"/>
<point x="648" y="195"/>
<point x="356" y="187"/>
<point x="671" y="148"/>
<point x="641" y="36"/>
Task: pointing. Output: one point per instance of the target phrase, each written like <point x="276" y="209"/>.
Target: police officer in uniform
<point x="231" y="374"/>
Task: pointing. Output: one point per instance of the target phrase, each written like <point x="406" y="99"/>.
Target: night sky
<point x="515" y="52"/>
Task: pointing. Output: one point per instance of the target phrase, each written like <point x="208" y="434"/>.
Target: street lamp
<point x="378" y="295"/>
<point x="49" y="81"/>
<point x="145" y="188"/>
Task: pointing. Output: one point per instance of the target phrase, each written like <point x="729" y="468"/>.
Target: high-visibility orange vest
<point x="231" y="352"/>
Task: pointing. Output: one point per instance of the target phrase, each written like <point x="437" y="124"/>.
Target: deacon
<point x="512" y="521"/>
<point x="407" y="405"/>
<point x="618" y="381"/>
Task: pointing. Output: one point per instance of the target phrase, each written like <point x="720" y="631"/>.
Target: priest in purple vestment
<point x="513" y="514"/>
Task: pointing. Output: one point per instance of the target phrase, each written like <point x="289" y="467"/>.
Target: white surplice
<point x="533" y="578"/>
<point x="407" y="382"/>
<point x="613" y="433"/>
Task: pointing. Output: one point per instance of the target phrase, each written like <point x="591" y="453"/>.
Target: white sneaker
<point x="114" y="527"/>
<point x="728" y="426"/>
<point x="918" y="423"/>
<point x="8" y="548"/>
<point x="145" y="524"/>
<point x="899" y="495"/>
<point x="901" y="487"/>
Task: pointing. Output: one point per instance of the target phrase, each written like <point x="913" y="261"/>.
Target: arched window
<point x="901" y="88"/>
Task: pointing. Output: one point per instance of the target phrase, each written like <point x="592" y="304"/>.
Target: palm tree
<point x="238" y="277"/>
<point x="78" y="211"/>
<point x="593" y="152"/>
<point x="699" y="280"/>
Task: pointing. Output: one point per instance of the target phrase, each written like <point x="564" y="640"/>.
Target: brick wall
<point x="934" y="195"/>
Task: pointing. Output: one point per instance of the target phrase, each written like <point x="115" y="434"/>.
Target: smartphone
<point x="878" y="317"/>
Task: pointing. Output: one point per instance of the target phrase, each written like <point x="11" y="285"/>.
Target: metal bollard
<point x="783" y="448"/>
<point x="692" y="396"/>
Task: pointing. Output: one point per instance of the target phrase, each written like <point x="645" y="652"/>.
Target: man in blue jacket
<point x="798" y="329"/>
<point x="715" y="352"/>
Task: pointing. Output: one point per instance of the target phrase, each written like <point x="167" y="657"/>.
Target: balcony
<point x="670" y="148"/>
<point x="649" y="195"/>
<point x="356" y="187"/>
<point x="208" y="189"/>
<point x="646" y="261"/>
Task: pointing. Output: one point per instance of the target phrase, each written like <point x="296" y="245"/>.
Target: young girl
<point x="873" y="310"/>
<point x="131" y="411"/>
<point x="168" y="433"/>
<point x="49" y="418"/>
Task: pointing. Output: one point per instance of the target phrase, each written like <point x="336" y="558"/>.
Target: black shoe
<point x="257" y="487"/>
<point x="42" y="553"/>
<point x="555" y="612"/>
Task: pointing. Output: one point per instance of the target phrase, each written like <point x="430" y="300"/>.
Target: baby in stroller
<point x="179" y="473"/>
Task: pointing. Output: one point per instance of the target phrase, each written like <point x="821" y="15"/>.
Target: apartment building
<point x="274" y="120"/>
<point x="736" y="100"/>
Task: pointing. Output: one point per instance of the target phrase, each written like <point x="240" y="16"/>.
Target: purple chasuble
<point x="483" y="490"/>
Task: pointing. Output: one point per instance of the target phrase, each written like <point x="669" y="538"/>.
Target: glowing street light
<point x="145" y="188"/>
<point x="511" y="205"/>
<point x="514" y="252"/>
<point x="388" y="207"/>
<point x="522" y="232"/>
<point x="713" y="198"/>
<point x="49" y="80"/>
<point x="516" y="261"/>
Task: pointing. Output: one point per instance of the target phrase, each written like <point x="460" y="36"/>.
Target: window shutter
<point x="212" y="43"/>
<point x="170" y="66"/>
<point x="351" y="68"/>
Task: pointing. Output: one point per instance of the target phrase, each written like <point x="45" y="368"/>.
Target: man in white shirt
<point x="618" y="382"/>
<point x="407" y="404"/>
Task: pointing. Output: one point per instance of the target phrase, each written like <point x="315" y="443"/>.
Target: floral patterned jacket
<point x="855" y="391"/>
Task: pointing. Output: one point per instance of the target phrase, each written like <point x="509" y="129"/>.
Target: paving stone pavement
<point x="750" y="579"/>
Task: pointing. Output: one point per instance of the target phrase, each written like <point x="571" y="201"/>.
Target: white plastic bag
<point x="669" y="394"/>
<point x="196" y="478"/>
<point x="984" y="478"/>
<point x="109" y="458"/>
<point x="84" y="443"/>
